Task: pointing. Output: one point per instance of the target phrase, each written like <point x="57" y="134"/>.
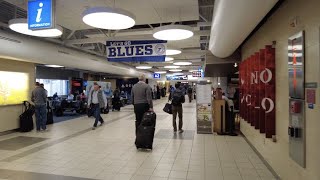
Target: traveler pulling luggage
<point x="26" y="120"/>
<point x="145" y="132"/>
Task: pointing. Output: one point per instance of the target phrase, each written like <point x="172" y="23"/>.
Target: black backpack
<point x="177" y="98"/>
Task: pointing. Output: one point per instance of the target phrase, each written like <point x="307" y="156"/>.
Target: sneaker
<point x="93" y="128"/>
<point x="45" y="130"/>
<point x="181" y="131"/>
<point x="174" y="131"/>
<point x="102" y="123"/>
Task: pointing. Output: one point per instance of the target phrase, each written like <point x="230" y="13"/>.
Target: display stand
<point x="219" y="116"/>
<point x="204" y="113"/>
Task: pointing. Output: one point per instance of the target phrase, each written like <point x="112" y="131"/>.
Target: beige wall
<point x="277" y="29"/>
<point x="9" y="115"/>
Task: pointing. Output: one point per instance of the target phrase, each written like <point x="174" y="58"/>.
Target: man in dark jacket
<point x="177" y="98"/>
<point x="97" y="100"/>
<point x="39" y="98"/>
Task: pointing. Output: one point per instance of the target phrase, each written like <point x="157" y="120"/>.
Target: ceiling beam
<point x="204" y="24"/>
<point x="127" y="36"/>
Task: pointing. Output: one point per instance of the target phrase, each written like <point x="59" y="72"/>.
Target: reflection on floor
<point x="71" y="150"/>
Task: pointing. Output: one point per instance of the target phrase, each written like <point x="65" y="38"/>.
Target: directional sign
<point x="156" y="76"/>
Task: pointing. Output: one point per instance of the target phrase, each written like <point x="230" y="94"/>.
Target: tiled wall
<point x="9" y="115"/>
<point x="277" y="28"/>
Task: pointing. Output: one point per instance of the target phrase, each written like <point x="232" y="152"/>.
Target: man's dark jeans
<point x="177" y="110"/>
<point x="41" y="116"/>
<point x="139" y="110"/>
<point x="97" y="114"/>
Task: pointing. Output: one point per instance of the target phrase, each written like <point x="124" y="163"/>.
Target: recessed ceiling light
<point x="235" y="65"/>
<point x="177" y="74"/>
<point x="171" y="67"/>
<point x="193" y="70"/>
<point x="172" y="32"/>
<point x="143" y="67"/>
<point x="108" y="18"/>
<point x="54" y="66"/>
<point x="182" y="63"/>
<point x="170" y="52"/>
<point x="20" y="25"/>
<point x="169" y="59"/>
<point x="175" y="70"/>
<point x="160" y="72"/>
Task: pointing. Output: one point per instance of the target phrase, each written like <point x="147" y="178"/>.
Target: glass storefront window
<point x="55" y="86"/>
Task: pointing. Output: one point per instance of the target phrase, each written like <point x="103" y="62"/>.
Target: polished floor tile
<point x="71" y="150"/>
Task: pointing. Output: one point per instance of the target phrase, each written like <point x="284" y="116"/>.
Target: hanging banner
<point x="40" y="14"/>
<point x="257" y="90"/>
<point x="136" y="51"/>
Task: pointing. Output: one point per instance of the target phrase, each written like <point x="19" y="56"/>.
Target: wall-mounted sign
<point x="176" y="77"/>
<point x="257" y="90"/>
<point x="136" y="51"/>
<point x="311" y="85"/>
<point x="156" y="76"/>
<point x="311" y="96"/>
<point x="296" y="65"/>
<point x="40" y="14"/>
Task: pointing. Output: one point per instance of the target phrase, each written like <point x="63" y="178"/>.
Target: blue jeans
<point x="41" y="116"/>
<point x="96" y="114"/>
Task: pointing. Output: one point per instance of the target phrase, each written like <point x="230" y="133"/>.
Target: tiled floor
<point x="73" y="151"/>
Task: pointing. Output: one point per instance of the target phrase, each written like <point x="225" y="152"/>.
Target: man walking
<point x="39" y="98"/>
<point x="177" y="98"/>
<point x="190" y="93"/>
<point x="97" y="100"/>
<point x="141" y="96"/>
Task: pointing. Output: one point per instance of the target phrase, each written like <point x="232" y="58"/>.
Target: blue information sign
<point x="156" y="76"/>
<point x="40" y="14"/>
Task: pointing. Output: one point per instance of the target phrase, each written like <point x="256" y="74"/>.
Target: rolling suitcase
<point x="145" y="131"/>
<point x="25" y="119"/>
<point x="49" y="116"/>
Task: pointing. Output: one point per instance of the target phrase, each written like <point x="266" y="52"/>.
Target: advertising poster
<point x="14" y="88"/>
<point x="204" y="108"/>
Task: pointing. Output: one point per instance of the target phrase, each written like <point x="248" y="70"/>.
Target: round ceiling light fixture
<point x="171" y="67"/>
<point x="175" y="70"/>
<point x="177" y="74"/>
<point x="143" y="67"/>
<point x="182" y="63"/>
<point x="172" y="32"/>
<point x="170" y="52"/>
<point x="108" y="18"/>
<point x="20" y="25"/>
<point x="160" y="72"/>
<point x="53" y="66"/>
<point x="169" y="59"/>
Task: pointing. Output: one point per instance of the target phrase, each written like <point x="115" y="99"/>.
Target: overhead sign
<point x="156" y="76"/>
<point x="196" y="74"/>
<point x="40" y="14"/>
<point x="136" y="51"/>
<point x="175" y="77"/>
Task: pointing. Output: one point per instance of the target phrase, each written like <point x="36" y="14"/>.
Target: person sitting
<point x="70" y="97"/>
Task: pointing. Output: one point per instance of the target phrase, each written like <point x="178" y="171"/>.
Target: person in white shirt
<point x="97" y="100"/>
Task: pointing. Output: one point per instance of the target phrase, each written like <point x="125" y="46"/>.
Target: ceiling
<point x="149" y="14"/>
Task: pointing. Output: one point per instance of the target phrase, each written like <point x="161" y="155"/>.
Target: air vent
<point x="63" y="52"/>
<point x="9" y="39"/>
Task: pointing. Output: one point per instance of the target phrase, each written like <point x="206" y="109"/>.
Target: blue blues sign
<point x="136" y="51"/>
<point x="40" y="14"/>
<point x="156" y="76"/>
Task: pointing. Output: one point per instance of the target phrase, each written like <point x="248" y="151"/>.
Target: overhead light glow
<point x="235" y="65"/>
<point x="143" y="67"/>
<point x="175" y="70"/>
<point x="170" y="52"/>
<point x="193" y="70"/>
<point x="160" y="72"/>
<point x="108" y="18"/>
<point x="20" y="25"/>
<point x="177" y="74"/>
<point x="171" y="67"/>
<point x="169" y="59"/>
<point x="182" y="63"/>
<point x="172" y="32"/>
<point x="54" y="66"/>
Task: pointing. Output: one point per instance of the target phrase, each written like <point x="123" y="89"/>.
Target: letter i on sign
<point x="38" y="19"/>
